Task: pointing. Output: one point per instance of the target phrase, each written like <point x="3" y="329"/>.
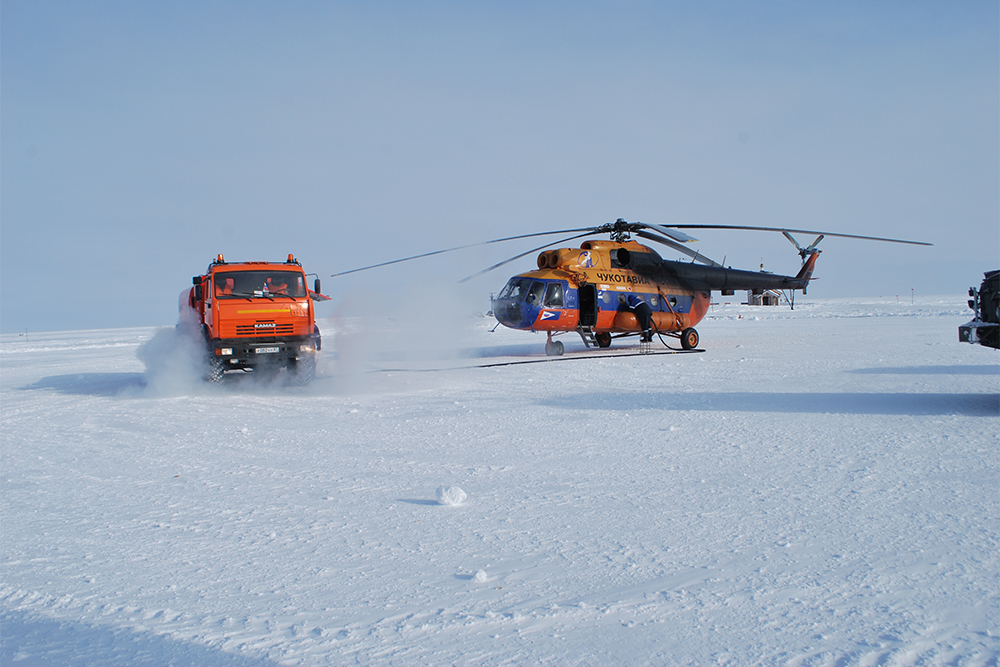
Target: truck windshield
<point x="244" y="284"/>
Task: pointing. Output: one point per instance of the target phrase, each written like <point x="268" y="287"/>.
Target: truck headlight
<point x="224" y="351"/>
<point x="308" y="347"/>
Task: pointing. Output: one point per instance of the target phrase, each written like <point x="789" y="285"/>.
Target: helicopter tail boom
<point x="805" y="273"/>
<point x="698" y="277"/>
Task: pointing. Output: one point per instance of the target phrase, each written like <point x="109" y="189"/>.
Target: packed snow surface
<point x="817" y="487"/>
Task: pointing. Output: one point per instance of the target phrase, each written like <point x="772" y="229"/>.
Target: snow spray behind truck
<point x="256" y="316"/>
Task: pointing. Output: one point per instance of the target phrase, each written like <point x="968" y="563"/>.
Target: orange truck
<point x="257" y="316"/>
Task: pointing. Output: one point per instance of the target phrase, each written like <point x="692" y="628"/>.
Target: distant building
<point x="768" y="297"/>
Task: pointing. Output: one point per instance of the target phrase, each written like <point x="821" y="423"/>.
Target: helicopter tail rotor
<point x="805" y="273"/>
<point x="807" y="252"/>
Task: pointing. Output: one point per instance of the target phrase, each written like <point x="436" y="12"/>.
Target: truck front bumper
<point x="243" y="353"/>
<point x="978" y="332"/>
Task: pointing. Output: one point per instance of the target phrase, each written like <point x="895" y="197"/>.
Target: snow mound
<point x="451" y="495"/>
<point x="480" y="577"/>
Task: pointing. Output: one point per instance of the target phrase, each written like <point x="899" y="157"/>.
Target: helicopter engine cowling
<point x="548" y="260"/>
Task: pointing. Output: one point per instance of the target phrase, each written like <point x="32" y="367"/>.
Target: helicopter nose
<point x="510" y="314"/>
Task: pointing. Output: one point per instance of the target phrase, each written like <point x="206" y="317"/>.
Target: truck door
<point x="588" y="305"/>
<point x="209" y="314"/>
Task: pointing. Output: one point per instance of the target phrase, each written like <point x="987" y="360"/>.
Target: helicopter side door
<point x="588" y="305"/>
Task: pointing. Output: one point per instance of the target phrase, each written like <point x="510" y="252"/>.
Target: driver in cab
<point x="273" y="286"/>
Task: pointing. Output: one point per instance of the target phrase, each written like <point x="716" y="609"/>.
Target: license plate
<point x="267" y="350"/>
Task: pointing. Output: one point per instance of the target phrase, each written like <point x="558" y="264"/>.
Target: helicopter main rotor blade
<point x="588" y="230"/>
<point x="812" y="246"/>
<point x="669" y="233"/>
<point x="677" y="246"/>
<point x="798" y="231"/>
<point x="794" y="243"/>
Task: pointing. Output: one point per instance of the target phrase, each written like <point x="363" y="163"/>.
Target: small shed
<point x="768" y="297"/>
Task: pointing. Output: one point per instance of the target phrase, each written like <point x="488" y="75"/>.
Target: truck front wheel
<point x="216" y="369"/>
<point x="303" y="370"/>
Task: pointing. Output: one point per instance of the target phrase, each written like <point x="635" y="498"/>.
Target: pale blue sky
<point x="140" y="139"/>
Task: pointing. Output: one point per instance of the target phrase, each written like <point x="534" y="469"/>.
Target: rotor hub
<point x="620" y="231"/>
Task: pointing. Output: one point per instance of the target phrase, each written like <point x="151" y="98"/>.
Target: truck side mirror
<point x="196" y="280"/>
<point x="197" y="292"/>
<point x="316" y="287"/>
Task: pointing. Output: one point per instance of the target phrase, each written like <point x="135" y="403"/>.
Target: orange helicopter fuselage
<point x="580" y="288"/>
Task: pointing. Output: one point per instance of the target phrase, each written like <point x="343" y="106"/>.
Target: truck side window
<point x="554" y="296"/>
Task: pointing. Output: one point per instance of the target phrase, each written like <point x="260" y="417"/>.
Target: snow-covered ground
<point x="818" y="487"/>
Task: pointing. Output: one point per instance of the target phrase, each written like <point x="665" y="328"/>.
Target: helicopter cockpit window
<point x="535" y="293"/>
<point x="516" y="289"/>
<point x="554" y="296"/>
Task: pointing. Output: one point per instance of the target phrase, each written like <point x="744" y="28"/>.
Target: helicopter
<point x="586" y="290"/>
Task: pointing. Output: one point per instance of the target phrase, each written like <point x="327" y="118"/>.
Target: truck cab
<point x="257" y="316"/>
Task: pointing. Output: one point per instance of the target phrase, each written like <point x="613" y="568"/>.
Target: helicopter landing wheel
<point x="689" y="339"/>
<point x="603" y="339"/>
<point x="554" y="348"/>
